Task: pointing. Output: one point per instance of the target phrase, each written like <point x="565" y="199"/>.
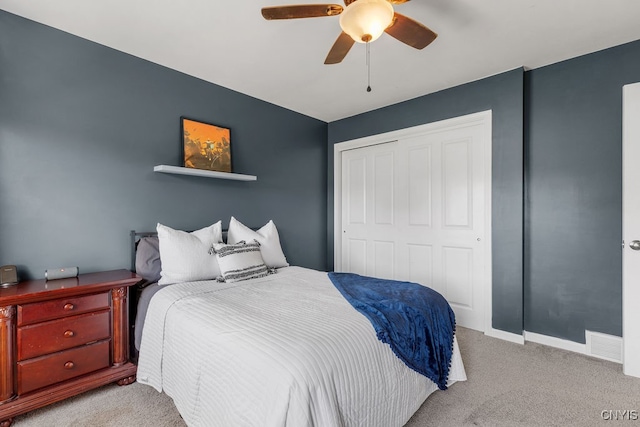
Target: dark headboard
<point x="135" y="237"/>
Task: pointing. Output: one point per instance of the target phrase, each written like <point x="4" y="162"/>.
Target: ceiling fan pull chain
<point x="368" y="67"/>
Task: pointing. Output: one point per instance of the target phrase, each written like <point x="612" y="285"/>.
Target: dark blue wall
<point x="503" y="94"/>
<point x="81" y="127"/>
<point x="573" y="234"/>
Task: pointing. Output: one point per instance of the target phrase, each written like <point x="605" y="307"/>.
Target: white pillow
<point x="241" y="261"/>
<point x="185" y="257"/>
<point x="268" y="238"/>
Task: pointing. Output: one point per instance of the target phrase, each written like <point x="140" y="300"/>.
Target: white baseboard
<point x="555" y="342"/>
<point x="503" y="335"/>
<point x="608" y="347"/>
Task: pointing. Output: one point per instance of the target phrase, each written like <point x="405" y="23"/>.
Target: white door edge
<point x="630" y="294"/>
<point x="481" y="118"/>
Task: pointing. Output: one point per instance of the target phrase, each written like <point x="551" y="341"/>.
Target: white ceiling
<point x="230" y="44"/>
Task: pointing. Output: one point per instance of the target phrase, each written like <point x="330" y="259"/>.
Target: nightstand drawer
<point x="68" y="332"/>
<point x="54" y="309"/>
<point x="43" y="371"/>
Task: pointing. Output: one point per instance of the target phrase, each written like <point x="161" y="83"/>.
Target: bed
<point x="284" y="349"/>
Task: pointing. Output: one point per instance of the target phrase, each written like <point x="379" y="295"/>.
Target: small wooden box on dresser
<point x="62" y="337"/>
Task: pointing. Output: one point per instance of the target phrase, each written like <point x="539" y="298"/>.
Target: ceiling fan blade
<point x="339" y="49"/>
<point x="410" y="32"/>
<point x="301" y="11"/>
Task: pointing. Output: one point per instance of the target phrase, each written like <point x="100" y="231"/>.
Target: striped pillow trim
<point x="232" y="250"/>
<point x="252" y="272"/>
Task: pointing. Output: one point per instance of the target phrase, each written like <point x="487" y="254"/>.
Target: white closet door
<point x="415" y="210"/>
<point x="442" y="217"/>
<point x="368" y="215"/>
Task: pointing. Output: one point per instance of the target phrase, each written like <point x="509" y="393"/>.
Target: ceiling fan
<point x="362" y="21"/>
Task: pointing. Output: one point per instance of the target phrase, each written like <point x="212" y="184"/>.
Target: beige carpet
<point x="509" y="385"/>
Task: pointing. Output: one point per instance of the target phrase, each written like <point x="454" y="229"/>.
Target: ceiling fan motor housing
<point x="366" y="20"/>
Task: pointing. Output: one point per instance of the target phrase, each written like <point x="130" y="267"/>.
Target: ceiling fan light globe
<point x="366" y="20"/>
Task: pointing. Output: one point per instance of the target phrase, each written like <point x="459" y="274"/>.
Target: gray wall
<point x="503" y="94"/>
<point x="573" y="234"/>
<point x="81" y="127"/>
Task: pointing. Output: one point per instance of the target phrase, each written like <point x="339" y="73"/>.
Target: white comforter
<point x="284" y="350"/>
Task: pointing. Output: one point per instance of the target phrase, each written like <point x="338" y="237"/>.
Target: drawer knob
<point x="68" y="306"/>
<point x="69" y="365"/>
<point x="69" y="334"/>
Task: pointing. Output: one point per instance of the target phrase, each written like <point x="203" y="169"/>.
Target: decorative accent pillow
<point x="185" y="256"/>
<point x="268" y="238"/>
<point x="240" y="261"/>
<point x="148" y="259"/>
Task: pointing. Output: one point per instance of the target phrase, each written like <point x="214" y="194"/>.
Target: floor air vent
<point x="603" y="346"/>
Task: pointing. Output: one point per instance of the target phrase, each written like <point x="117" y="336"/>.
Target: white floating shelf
<point x="177" y="170"/>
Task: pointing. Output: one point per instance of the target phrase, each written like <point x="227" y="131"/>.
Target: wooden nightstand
<point x="61" y="338"/>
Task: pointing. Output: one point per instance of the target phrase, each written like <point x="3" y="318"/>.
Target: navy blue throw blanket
<point x="416" y="321"/>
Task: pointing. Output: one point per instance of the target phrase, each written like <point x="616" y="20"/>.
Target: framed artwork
<point x="205" y="146"/>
